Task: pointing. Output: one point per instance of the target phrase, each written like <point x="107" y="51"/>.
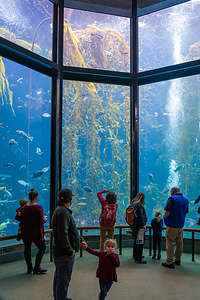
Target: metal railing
<point x="120" y="228"/>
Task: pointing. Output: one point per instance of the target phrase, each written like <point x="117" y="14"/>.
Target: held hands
<point x="83" y="245"/>
<point x="73" y="254"/>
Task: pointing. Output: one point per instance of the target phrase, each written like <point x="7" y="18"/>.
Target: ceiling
<point x="121" y="7"/>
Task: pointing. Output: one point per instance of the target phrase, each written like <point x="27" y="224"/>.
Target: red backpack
<point x="108" y="216"/>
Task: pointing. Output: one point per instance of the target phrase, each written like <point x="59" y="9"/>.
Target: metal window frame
<point x="58" y="73"/>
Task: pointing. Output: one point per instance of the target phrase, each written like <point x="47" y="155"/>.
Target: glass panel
<point x="93" y="40"/>
<point x="25" y="140"/>
<point x="169" y="143"/>
<point x="28" y="24"/>
<point x="96" y="147"/>
<point x="170" y="36"/>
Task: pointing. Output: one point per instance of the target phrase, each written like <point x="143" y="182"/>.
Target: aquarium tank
<point x="96" y="122"/>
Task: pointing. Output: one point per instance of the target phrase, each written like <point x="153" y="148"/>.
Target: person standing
<point x="138" y="228"/>
<point x="175" y="212"/>
<point x="108" y="216"/>
<point x="32" y="230"/>
<point x="157" y="225"/>
<point x="65" y="244"/>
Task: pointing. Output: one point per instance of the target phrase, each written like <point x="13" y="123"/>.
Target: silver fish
<point x="25" y="135"/>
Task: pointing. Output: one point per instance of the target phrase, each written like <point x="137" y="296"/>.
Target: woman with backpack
<point x="108" y="215"/>
<point x="138" y="227"/>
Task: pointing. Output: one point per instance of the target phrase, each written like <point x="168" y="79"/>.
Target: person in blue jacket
<point x="175" y="212"/>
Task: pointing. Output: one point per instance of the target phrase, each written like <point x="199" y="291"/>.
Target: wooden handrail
<point x="11" y="237"/>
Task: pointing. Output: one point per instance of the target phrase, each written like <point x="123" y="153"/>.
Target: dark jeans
<point x="27" y="254"/>
<point x="157" y="243"/>
<point x="137" y="251"/>
<point x="62" y="276"/>
<point x="104" y="288"/>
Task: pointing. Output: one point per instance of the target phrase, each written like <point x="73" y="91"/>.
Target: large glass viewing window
<point x="98" y="41"/>
<point x="28" y="24"/>
<point x="96" y="146"/>
<point x="25" y="114"/>
<point x="169" y="142"/>
<point x="169" y="36"/>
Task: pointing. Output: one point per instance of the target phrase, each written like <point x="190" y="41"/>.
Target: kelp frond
<point x="4" y="87"/>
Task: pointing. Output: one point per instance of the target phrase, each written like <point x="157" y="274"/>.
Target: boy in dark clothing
<point x="157" y="224"/>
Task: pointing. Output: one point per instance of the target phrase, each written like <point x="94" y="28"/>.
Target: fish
<point x="82" y="203"/>
<point x="37" y="174"/>
<point x="4" y="224"/>
<point x="45" y="190"/>
<point x="38" y="151"/>
<point x="23" y="166"/>
<point x="97" y="35"/>
<point x="20" y="79"/>
<point x="165" y="191"/>
<point x="180" y="167"/>
<point x="46" y="115"/>
<point x="25" y="135"/>
<point x="108" y="54"/>
<point x="22" y="182"/>
<point x="4" y="176"/>
<point x="46" y="169"/>
<point x="83" y="198"/>
<point x="87" y="188"/>
<point x="12" y="142"/>
<point x="87" y="40"/>
<point x="39" y="92"/>
<point x="73" y="181"/>
<point x="151" y="177"/>
<point x="9" y="165"/>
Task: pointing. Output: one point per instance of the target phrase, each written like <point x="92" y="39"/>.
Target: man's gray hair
<point x="175" y="190"/>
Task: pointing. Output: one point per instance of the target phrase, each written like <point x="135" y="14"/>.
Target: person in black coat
<point x="138" y="228"/>
<point x="157" y="225"/>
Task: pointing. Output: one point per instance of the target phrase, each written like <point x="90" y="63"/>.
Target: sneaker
<point x="154" y="256"/>
<point x="170" y="266"/>
<point x="140" y="261"/>
<point x="29" y="271"/>
<point x="158" y="257"/>
<point x="39" y="271"/>
<point x="177" y="262"/>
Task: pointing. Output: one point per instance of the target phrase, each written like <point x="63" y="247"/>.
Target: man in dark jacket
<point x="175" y="212"/>
<point x="65" y="244"/>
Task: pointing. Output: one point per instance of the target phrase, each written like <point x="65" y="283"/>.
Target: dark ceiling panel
<point x="121" y="7"/>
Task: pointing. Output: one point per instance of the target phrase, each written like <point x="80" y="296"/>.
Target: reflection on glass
<point x="93" y="40"/>
<point x="169" y="142"/>
<point x="169" y="36"/>
<point x="96" y="146"/>
<point x="28" y="24"/>
<point x="25" y="140"/>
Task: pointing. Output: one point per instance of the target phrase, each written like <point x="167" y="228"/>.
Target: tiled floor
<point x="151" y="281"/>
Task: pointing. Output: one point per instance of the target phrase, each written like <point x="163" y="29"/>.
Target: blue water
<point x="96" y="117"/>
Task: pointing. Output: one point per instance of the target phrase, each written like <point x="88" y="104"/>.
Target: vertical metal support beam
<point x="54" y="125"/>
<point x="134" y="100"/>
<point x="193" y="246"/>
<point x="120" y="241"/>
<point x="60" y="86"/>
